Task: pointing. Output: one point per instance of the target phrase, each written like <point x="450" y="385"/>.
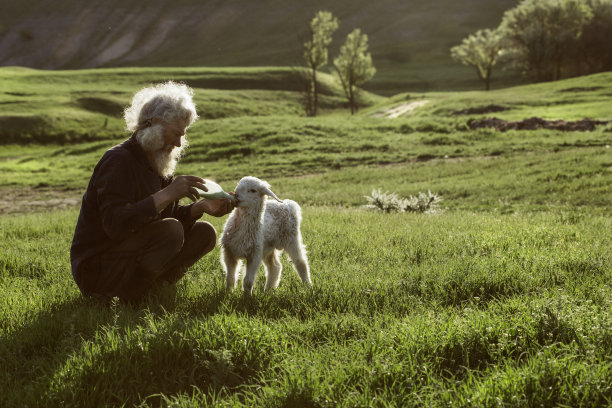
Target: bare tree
<point x="322" y="27"/>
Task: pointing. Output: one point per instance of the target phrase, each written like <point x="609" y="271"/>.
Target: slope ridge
<point x="407" y="38"/>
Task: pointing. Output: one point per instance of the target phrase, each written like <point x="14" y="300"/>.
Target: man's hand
<point x="185" y="186"/>
<point x="216" y="208"/>
<point x="181" y="186"/>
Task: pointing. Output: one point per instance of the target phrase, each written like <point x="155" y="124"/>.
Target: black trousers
<point x="159" y="252"/>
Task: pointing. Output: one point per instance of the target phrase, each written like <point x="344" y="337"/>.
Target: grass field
<point x="502" y="299"/>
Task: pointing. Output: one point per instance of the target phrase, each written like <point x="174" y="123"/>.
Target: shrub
<point x="390" y="202"/>
<point x="385" y="202"/>
<point x="425" y="202"/>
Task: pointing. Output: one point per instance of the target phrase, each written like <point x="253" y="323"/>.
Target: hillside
<point x="80" y="105"/>
<point x="569" y="99"/>
<point x="409" y="40"/>
<point x="85" y="105"/>
<point x="57" y="124"/>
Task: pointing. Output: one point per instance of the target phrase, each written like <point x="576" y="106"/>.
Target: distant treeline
<point x="546" y="39"/>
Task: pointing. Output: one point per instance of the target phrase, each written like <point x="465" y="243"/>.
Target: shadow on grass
<point x="33" y="352"/>
<point x="84" y="353"/>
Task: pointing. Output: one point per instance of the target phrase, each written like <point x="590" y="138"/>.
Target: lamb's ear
<point x="269" y="192"/>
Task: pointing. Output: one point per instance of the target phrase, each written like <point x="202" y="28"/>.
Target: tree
<point x="322" y="27"/>
<point x="595" y="51"/>
<point x="481" y="50"/>
<point x="354" y="66"/>
<point x="541" y="32"/>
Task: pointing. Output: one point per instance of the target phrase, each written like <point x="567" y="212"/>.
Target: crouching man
<point x="131" y="232"/>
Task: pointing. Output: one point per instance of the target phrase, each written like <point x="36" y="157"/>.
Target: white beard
<point x="165" y="157"/>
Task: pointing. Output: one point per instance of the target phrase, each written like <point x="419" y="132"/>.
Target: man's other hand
<point x="216" y="208"/>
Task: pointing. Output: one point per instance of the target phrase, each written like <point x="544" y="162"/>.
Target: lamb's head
<point x="250" y="192"/>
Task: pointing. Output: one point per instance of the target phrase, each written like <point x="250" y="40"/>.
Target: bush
<point x="390" y="202"/>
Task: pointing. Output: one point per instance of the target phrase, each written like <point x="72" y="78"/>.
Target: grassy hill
<point x="573" y="99"/>
<point x="409" y="40"/>
<point x="61" y="106"/>
<point x="500" y="299"/>
<point x="259" y="131"/>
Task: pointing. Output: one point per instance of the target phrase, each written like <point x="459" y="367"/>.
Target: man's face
<point x="172" y="133"/>
<point x="163" y="143"/>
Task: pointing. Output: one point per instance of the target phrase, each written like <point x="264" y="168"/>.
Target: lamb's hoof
<point x="270" y="289"/>
<point x="248" y="289"/>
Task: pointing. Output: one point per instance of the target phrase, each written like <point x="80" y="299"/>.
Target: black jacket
<point x="119" y="201"/>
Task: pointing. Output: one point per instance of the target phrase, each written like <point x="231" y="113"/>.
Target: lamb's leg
<point x="232" y="266"/>
<point x="274" y="268"/>
<point x="252" y="265"/>
<point x="297" y="253"/>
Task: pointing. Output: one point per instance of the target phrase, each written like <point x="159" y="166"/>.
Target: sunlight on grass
<point x="432" y="304"/>
<point x="501" y="298"/>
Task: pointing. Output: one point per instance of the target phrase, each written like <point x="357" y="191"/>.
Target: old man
<point x="132" y="233"/>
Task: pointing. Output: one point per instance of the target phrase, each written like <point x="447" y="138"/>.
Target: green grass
<point x="502" y="299"/>
<point x="406" y="310"/>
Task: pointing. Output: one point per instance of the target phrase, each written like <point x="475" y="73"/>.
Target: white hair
<point x="166" y="101"/>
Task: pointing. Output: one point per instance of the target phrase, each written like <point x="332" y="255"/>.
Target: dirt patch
<point x="584" y="125"/>
<point x="29" y="200"/>
<point x="480" y="110"/>
<point x="582" y="89"/>
<point x="19" y="93"/>
<point x="400" y="110"/>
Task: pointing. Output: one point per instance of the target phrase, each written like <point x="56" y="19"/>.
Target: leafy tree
<point x="594" y="43"/>
<point x="354" y="65"/>
<point x="322" y="27"/>
<point x="541" y="34"/>
<point x="481" y="50"/>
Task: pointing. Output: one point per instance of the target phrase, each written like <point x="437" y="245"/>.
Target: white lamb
<point x="259" y="229"/>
